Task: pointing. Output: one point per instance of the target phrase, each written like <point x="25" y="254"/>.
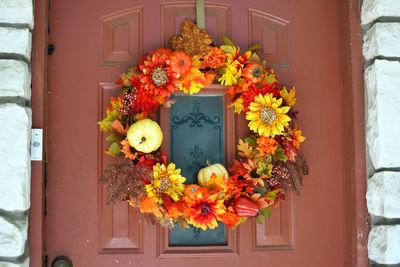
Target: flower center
<point x="257" y="72"/>
<point x="165" y="184"/>
<point x="205" y="209"/>
<point x="159" y="77"/>
<point x="267" y="115"/>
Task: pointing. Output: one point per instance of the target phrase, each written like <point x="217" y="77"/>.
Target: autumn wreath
<point x="268" y="163"/>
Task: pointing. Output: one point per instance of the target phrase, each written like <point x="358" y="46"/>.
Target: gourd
<point x="204" y="174"/>
<point x="145" y="136"/>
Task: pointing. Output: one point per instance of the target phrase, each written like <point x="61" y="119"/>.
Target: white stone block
<point x="15" y="161"/>
<point x="382" y="85"/>
<point x="16" y="12"/>
<point x="373" y="9"/>
<point x="382" y="39"/>
<point x="16" y="41"/>
<point x="384" y="244"/>
<point x="9" y="264"/>
<point x="383" y="194"/>
<point x="12" y="238"/>
<point x="15" y="79"/>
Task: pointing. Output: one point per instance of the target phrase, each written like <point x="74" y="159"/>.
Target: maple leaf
<point x="245" y="150"/>
<point x="237" y="105"/>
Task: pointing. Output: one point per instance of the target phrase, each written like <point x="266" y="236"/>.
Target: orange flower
<point x="206" y="211"/>
<point x="180" y="62"/>
<point x="174" y="209"/>
<point x="126" y="149"/>
<point x="253" y="72"/>
<point x="215" y="58"/>
<point x="230" y="218"/>
<point x="157" y="76"/>
<point x="217" y="183"/>
<point x="191" y="192"/>
<point x="267" y="145"/>
<point x="149" y="205"/>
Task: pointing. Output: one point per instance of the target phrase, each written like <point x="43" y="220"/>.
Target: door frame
<point x="356" y="218"/>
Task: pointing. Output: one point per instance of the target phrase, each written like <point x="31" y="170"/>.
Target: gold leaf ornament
<point x="192" y="40"/>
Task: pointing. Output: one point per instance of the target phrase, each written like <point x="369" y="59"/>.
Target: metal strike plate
<point x="37" y="145"/>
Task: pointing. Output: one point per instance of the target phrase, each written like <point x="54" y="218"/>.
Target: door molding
<point x="354" y="155"/>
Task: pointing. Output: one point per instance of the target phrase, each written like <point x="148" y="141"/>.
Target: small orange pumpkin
<point x="180" y="62"/>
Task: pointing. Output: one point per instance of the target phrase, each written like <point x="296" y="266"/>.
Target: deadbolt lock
<point x="61" y="261"/>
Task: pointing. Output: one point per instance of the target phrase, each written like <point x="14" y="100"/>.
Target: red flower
<point x="254" y="90"/>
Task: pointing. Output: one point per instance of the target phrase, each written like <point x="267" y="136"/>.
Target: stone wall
<point x="381" y="49"/>
<point x="16" y="23"/>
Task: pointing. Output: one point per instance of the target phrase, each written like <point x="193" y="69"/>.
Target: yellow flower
<point x="231" y="73"/>
<point x="266" y="116"/>
<point x="167" y="180"/>
<point x="289" y="97"/>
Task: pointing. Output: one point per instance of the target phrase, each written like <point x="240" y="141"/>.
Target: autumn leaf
<point x="118" y="127"/>
<point x="114" y="138"/>
<point x="227" y="41"/>
<point x="114" y="149"/>
<point x="237" y="105"/>
<point x="245" y="150"/>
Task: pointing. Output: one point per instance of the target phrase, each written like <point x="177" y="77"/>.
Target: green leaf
<point x="114" y="149"/>
<point x="260" y="219"/>
<point x="255" y="58"/>
<point x="114" y="138"/>
<point x="272" y="194"/>
<point x="251" y="141"/>
<point x="230" y="49"/>
<point x="266" y="212"/>
<point x="280" y="155"/>
<point x="271" y="78"/>
<point x="254" y="47"/>
<point x="227" y="41"/>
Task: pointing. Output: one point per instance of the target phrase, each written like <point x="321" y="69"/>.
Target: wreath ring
<point x="268" y="163"/>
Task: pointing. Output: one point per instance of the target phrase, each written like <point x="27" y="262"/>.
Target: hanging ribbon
<point x="200" y="14"/>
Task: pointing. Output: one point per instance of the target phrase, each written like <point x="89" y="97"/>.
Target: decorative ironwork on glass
<point x="196" y="118"/>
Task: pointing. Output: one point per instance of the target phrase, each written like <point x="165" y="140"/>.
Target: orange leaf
<point x="118" y="127"/>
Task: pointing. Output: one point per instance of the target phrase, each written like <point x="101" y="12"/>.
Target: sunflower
<point x="206" y="211"/>
<point x="157" y="76"/>
<point x="254" y="90"/>
<point x="167" y="180"/>
<point x="266" y="116"/>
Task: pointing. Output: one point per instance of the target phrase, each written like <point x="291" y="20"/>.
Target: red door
<point x="96" y="40"/>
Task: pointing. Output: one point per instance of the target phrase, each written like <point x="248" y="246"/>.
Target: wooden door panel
<point x="122" y="37"/>
<point x="120" y="226"/>
<point x="277" y="232"/>
<point x="272" y="33"/>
